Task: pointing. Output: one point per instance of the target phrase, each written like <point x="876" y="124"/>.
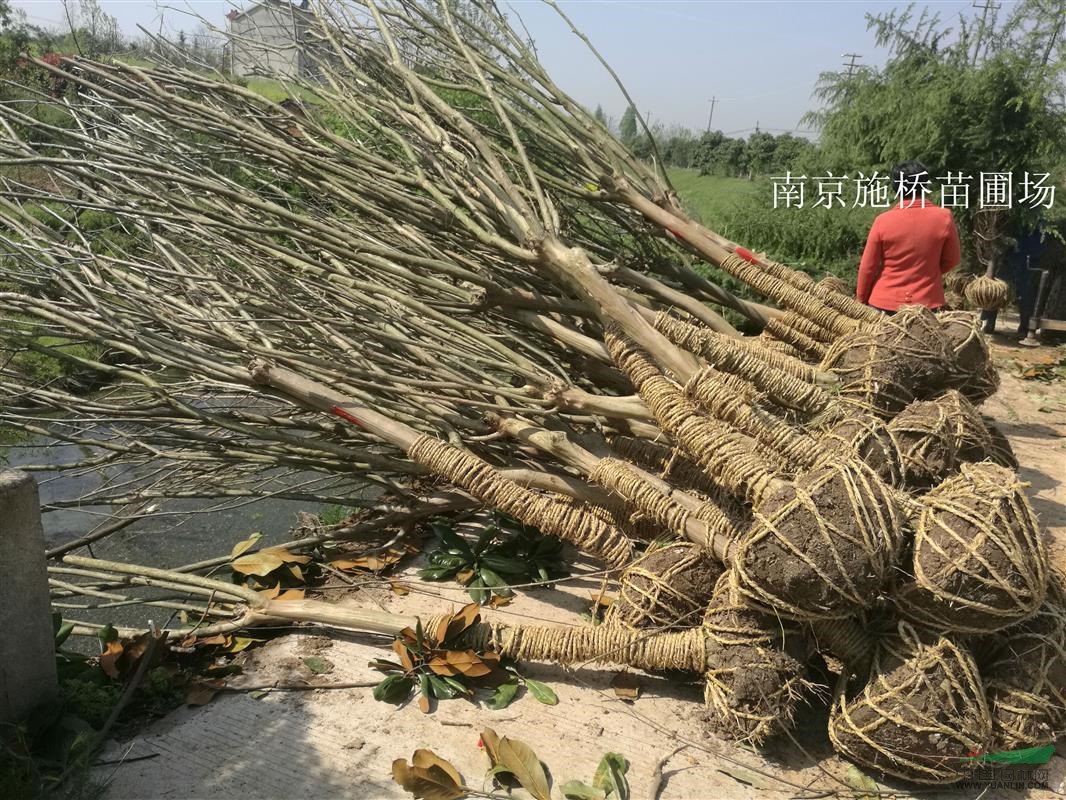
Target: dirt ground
<point x="341" y="742"/>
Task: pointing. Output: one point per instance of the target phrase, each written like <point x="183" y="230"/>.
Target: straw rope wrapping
<point x="675" y="466"/>
<point x="980" y="562"/>
<point x="921" y="714"/>
<point x="667" y="588"/>
<point x="970" y="435"/>
<point x="706" y="389"/>
<point x="988" y="294"/>
<point x="830" y="538"/>
<point x="801" y="300"/>
<point x="1027" y="682"/>
<point x="786" y="330"/>
<point x="754" y="676"/>
<point x="820" y="547"/>
<point x="843" y="303"/>
<point x="970" y="368"/>
<point x="928" y="443"/>
<point x="957" y="281"/>
<point x="553" y="516"/>
<point x="739" y="356"/>
<point x="834" y="284"/>
<point x="867" y="438"/>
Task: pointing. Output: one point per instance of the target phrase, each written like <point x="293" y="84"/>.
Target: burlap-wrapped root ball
<point x="754" y="677"/>
<point x="988" y="294"/>
<point x="888" y="365"/>
<point x="667" y="588"/>
<point x="920" y="716"/>
<point x="1027" y="680"/>
<point x="980" y="561"/>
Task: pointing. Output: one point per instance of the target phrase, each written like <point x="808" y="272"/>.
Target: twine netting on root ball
<point x="980" y="560"/>
<point x="921" y="714"/>
<point x="988" y="294"/>
<point x="667" y="587"/>
<point x="1027" y="678"/>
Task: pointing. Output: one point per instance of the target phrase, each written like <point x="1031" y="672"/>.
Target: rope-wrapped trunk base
<point x="556" y="517"/>
<point x="980" y="562"/>
<point x="921" y="715"/>
<point x="1027" y="682"/>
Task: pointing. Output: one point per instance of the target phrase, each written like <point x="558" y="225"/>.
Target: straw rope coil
<point x="834" y="284"/>
<point x="779" y="329"/>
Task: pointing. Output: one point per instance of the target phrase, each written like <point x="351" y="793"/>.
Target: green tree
<point x="627" y="128"/>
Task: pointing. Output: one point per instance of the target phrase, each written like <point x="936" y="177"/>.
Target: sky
<point x="759" y="58"/>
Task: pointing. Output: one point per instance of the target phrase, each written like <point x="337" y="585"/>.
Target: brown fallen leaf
<point x="625" y="685"/>
<point x="428" y="777"/>
<point x="266" y="561"/>
<point x="109" y="659"/>
<point x="201" y="692"/>
<point x="246" y="545"/>
<point x="291" y="594"/>
<point x="498" y="601"/>
<point x="400" y="589"/>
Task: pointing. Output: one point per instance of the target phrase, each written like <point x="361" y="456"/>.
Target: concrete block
<point x="27" y="645"/>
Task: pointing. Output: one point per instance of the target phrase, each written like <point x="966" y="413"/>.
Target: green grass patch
<point x="710" y="199"/>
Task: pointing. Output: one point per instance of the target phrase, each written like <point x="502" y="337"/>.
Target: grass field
<point x="710" y="198"/>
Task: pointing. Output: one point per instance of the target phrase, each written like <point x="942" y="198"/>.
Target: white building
<point x="270" y="38"/>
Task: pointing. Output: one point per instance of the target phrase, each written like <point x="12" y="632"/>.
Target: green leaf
<point x="451" y="539"/>
<point x="495" y="582"/>
<point x="542" y="691"/>
<point x="576" y="790"/>
<point x="442" y="689"/>
<point x="394" y="689"/>
<point x="503" y="696"/>
<point x="477" y="591"/>
<point x="611" y="775"/>
<point x="107" y="634"/>
<point x="865" y="787"/>
<point x="486" y="537"/>
<point x="510" y="566"/>
<point x="64" y="633"/>
<point x="319" y="666"/>
<point x="518" y="758"/>
<point x="437" y="573"/>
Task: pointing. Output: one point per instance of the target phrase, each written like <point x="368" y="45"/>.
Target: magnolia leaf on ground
<point x="498" y="601"/>
<point x="240" y="643"/>
<point x="464" y="662"/>
<point x="576" y="790"/>
<point x="109" y="658"/>
<point x="428" y="777"/>
<point x="458" y="622"/>
<point x="399" y="589"/>
<point x="865" y="787"/>
<point x="373" y="562"/>
<point x="246" y="545"/>
<point x="517" y="759"/>
<point x="611" y="776"/>
<point x="271" y="593"/>
<point x="749" y="777"/>
<point x="503" y="696"/>
<point x="542" y="691"/>
<point x="625" y="685"/>
<point x="405" y="655"/>
<point x="266" y="561"/>
<point x="394" y="689"/>
<point x="317" y="665"/>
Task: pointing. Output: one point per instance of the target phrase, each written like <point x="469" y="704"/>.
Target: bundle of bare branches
<point x="436" y="267"/>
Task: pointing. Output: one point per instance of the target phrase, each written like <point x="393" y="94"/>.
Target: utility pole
<point x="710" y="116"/>
<point x="985" y="7"/>
<point x="851" y="64"/>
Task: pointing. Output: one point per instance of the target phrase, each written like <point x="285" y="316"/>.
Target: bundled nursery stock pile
<point x="447" y="277"/>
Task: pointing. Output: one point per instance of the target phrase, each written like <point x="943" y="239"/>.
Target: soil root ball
<point x="927" y="444"/>
<point x="754" y="677"/>
<point x="971" y="370"/>
<point x="886" y="366"/>
<point x="867" y="438"/>
<point x="980" y="562"/>
<point x="1027" y="681"/>
<point x="921" y="714"/>
<point x="667" y="588"/>
<point x="988" y="294"/>
<point x="970" y="434"/>
<point x="821" y="546"/>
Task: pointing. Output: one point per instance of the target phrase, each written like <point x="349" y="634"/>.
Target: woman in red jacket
<point x="909" y="248"/>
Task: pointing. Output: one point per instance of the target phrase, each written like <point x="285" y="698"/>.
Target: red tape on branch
<point x="747" y="255"/>
<point x="340" y="412"/>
